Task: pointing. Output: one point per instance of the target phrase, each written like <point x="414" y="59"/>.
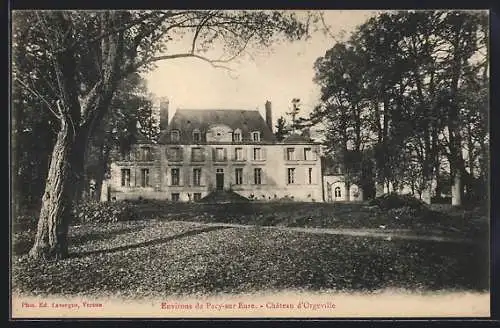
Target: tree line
<point x="404" y="103"/>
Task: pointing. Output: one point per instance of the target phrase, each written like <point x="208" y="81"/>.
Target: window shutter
<point x="263" y="176"/>
<point x="264" y="153"/>
<point x="285" y="153"/>
<point x="225" y="154"/>
<point x="213" y="154"/>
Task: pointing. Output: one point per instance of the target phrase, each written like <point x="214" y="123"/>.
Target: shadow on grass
<point x="153" y="242"/>
<point x="84" y="238"/>
<point x="23" y="245"/>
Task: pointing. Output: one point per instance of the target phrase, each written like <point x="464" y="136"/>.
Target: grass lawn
<point x="158" y="257"/>
<point x="439" y="219"/>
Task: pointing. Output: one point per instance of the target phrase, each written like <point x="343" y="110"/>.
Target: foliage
<point x="410" y="86"/>
<point x="393" y="200"/>
<point x="144" y="259"/>
<point x="100" y="212"/>
<point x="282" y="129"/>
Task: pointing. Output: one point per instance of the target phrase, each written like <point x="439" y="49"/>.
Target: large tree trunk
<point x="347" y="188"/>
<point x="379" y="188"/>
<point x="55" y="214"/>
<point x="456" y="189"/>
<point x="99" y="178"/>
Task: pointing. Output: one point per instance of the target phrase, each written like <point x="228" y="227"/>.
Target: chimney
<point x="163" y="114"/>
<point x="269" y="115"/>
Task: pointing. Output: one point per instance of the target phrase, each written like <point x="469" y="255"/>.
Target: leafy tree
<point x="84" y="55"/>
<point x="413" y="76"/>
<point x="282" y="129"/>
<point x="130" y="115"/>
<point x="342" y="106"/>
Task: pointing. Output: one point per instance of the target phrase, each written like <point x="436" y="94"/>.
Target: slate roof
<point x="187" y="120"/>
<point x="297" y="139"/>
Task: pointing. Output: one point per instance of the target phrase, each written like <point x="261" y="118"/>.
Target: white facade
<point x="335" y="190"/>
<point x="196" y="158"/>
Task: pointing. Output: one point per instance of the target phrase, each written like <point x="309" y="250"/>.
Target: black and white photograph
<point x="196" y="163"/>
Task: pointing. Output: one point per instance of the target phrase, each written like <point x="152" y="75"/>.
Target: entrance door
<point x="219" y="179"/>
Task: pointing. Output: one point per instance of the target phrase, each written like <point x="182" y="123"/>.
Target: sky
<point x="280" y="74"/>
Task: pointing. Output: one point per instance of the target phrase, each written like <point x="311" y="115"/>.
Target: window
<point x="196" y="196"/>
<point x="308" y="155"/>
<point x="309" y="175"/>
<point x="238" y="154"/>
<point x="290" y="154"/>
<point x="219" y="170"/>
<point x="237" y="136"/>
<point x="291" y="175"/>
<point x="220" y="154"/>
<point x="145" y="153"/>
<point x="197" y="155"/>
<point x="256" y="136"/>
<point x="257" y="154"/>
<point x="174" y="136"/>
<point x="175" y="176"/>
<point x="337" y="192"/>
<point x="144" y="177"/>
<point x="175" y="197"/>
<point x="125" y="177"/>
<point x="196" y="136"/>
<point x="257" y="176"/>
<point x="174" y="154"/>
<point x="238" y="176"/>
<point x="196" y="177"/>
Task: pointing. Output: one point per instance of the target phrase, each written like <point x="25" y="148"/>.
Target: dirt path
<point x="374" y="233"/>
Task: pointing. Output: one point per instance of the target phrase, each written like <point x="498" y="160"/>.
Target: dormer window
<point x="196" y="136"/>
<point x="174" y="135"/>
<point x="237" y="136"/>
<point x="256" y="136"/>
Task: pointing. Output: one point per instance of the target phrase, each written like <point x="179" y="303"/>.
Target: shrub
<point x="27" y="220"/>
<point x="106" y="212"/>
<point x="405" y="212"/>
<point x="395" y="201"/>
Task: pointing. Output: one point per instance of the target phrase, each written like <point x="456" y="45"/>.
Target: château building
<point x="208" y="150"/>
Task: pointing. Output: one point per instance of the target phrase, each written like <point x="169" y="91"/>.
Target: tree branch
<point x="199" y="28"/>
<point x="49" y="106"/>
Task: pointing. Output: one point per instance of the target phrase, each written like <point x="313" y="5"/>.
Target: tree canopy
<point x="408" y="87"/>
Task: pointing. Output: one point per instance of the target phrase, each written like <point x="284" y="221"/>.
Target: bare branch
<point x="215" y="63"/>
<point x="35" y="93"/>
<point x="199" y="28"/>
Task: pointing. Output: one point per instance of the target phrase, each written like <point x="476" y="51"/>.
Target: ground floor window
<point x="145" y="178"/>
<point x="175" y="197"/>
<point x="125" y="177"/>
<point x="196" y="196"/>
<point x="238" y="176"/>
<point x="257" y="175"/>
<point x="291" y="175"/>
<point x="338" y="193"/>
